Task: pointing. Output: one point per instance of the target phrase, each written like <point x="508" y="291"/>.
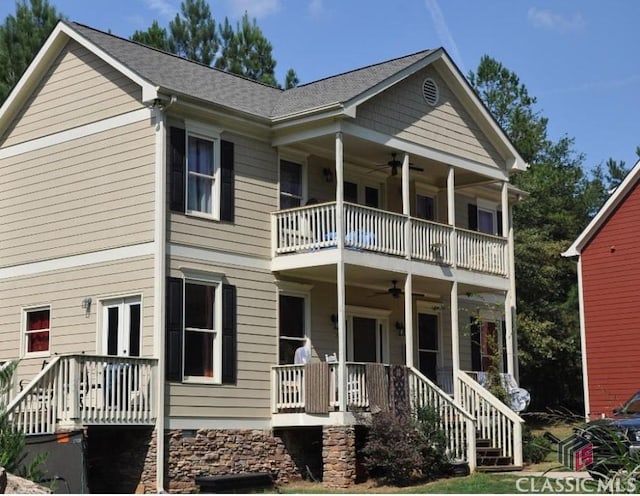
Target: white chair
<point x="330" y="358"/>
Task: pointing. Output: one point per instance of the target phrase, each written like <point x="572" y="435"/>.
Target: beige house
<point x="171" y="235"/>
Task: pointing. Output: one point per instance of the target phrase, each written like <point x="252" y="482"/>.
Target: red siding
<point x="610" y="279"/>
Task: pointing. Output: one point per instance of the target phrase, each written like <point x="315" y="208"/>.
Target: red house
<point x="608" y="252"/>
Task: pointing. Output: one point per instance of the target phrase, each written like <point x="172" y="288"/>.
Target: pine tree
<point x="155" y="37"/>
<point x="21" y="36"/>
<point x="193" y="32"/>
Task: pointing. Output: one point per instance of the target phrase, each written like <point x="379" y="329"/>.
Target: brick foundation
<point x="339" y="457"/>
<point x="212" y="452"/>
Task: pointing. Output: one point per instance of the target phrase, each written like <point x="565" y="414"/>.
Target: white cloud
<point x="255" y="8"/>
<point x="163" y="7"/>
<point x="445" y="36"/>
<point x="316" y="7"/>
<point x="547" y="19"/>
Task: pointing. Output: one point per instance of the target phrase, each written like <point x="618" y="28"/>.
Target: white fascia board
<point x="603" y="214"/>
<point x="47" y="54"/>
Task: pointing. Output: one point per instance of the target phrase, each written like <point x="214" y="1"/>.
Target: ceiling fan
<point x="395" y="291"/>
<point x="394" y="163"/>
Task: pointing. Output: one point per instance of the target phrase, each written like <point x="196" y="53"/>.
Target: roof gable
<point x="616" y="198"/>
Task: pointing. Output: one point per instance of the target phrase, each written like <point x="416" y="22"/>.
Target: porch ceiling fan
<point x="395" y="291"/>
<point x="394" y="163"/>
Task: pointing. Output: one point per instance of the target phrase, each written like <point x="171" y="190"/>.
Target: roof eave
<point x="603" y="214"/>
<point x="60" y="35"/>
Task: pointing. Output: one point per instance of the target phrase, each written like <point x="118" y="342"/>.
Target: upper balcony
<point x="313" y="228"/>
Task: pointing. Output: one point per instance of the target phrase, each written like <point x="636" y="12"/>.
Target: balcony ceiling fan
<point x="394" y="163"/>
<point x="395" y="291"/>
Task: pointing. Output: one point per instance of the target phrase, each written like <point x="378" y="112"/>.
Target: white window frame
<point x="491" y="208"/>
<point x="302" y="161"/>
<point x="214" y="280"/>
<point x="209" y="133"/>
<point x="104" y="303"/>
<point x="298" y="290"/>
<point x="25" y="347"/>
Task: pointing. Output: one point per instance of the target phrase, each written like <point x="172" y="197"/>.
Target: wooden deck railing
<point x="311" y="228"/>
<point x="77" y="390"/>
<point x="494" y="419"/>
<point x="290" y="391"/>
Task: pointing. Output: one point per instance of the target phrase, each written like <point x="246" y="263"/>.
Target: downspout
<point x="583" y="342"/>
<point x="159" y="277"/>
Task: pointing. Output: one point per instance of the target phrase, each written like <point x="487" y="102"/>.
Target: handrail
<point x="32" y="384"/>
<point x="495" y="420"/>
<point x="461" y="438"/>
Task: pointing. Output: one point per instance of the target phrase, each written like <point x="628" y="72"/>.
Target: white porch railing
<point x="494" y="419"/>
<point x="311" y="228"/>
<point x="458" y="424"/>
<point x="289" y="396"/>
<point x="87" y="390"/>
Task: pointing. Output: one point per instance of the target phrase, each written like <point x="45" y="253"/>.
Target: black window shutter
<point x="504" y="346"/>
<point x="499" y="221"/>
<point x="173" y="344"/>
<point x="229" y="334"/>
<point x="177" y="143"/>
<point x="227" y="181"/>
<point x="473" y="217"/>
<point x="476" y="359"/>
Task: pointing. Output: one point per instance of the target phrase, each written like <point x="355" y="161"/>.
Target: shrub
<point x="402" y="449"/>
<point x="534" y="448"/>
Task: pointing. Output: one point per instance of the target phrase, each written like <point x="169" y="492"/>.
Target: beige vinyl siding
<point x="72" y="331"/>
<point x="88" y="194"/>
<point x="256" y="196"/>
<point x="78" y="89"/>
<point x="257" y="350"/>
<point x="402" y="112"/>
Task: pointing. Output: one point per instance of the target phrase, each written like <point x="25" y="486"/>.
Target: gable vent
<point x="430" y="92"/>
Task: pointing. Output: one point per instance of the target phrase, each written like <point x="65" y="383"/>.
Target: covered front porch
<point x="435" y="330"/>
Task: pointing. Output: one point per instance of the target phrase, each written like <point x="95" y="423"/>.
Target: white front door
<point x="122" y="326"/>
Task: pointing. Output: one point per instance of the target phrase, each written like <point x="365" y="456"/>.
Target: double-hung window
<point x="203" y="176"/>
<point x="291" y="184"/>
<point x="37" y="330"/>
<point x="202" y="331"/>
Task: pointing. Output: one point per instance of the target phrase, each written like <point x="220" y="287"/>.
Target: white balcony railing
<point x="87" y="390"/>
<point x="307" y="229"/>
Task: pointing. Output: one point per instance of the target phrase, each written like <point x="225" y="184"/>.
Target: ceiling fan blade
<point x="413" y="167"/>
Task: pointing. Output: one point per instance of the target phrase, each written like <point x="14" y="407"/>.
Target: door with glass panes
<point x="428" y="345"/>
<point x="122" y="325"/>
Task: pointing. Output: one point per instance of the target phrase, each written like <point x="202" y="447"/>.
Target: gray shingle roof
<point x="184" y="77"/>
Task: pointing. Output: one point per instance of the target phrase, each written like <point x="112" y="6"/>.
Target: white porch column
<point x="406" y="206"/>
<point x="408" y="319"/>
<point x="508" y="298"/>
<point x="340" y="277"/>
<point x="451" y="214"/>
<point x="455" y="338"/>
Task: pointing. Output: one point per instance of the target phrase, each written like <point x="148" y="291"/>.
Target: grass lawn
<point x="478" y="483"/>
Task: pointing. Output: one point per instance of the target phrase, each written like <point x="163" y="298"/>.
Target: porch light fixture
<point x="328" y="174"/>
<point x="400" y="328"/>
<point x="334" y="321"/>
<point x="86" y="305"/>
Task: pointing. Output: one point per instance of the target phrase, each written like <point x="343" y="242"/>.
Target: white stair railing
<point x="494" y="420"/>
<point x="456" y="422"/>
<point x="34" y="409"/>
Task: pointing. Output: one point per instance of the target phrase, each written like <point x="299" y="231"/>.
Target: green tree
<point x="193" y="32"/>
<point x="246" y="51"/>
<point x="562" y="199"/>
<point x="21" y="36"/>
<point x="193" y="35"/>
<point x="155" y="37"/>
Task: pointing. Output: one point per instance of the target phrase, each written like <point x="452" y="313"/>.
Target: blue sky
<point x="578" y="57"/>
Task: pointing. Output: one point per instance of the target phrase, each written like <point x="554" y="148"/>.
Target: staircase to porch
<point x="79" y="390"/>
